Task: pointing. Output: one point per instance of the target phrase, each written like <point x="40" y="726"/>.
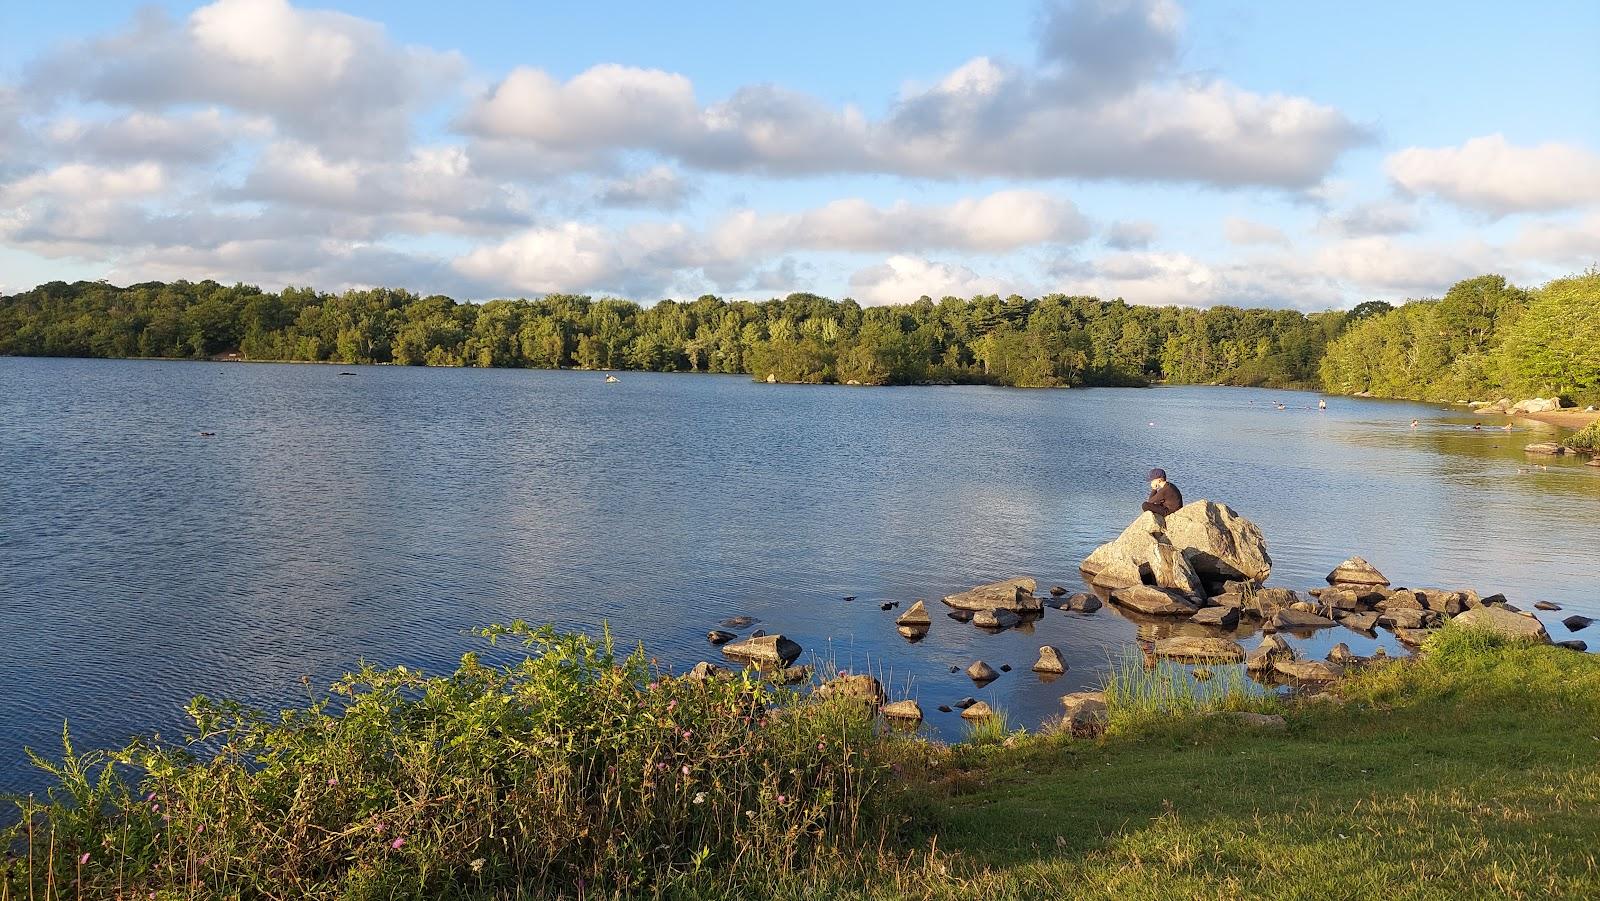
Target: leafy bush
<point x="1588" y="439"/>
<point x="571" y="768"/>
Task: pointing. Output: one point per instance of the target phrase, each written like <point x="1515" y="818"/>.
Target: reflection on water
<point x="380" y="515"/>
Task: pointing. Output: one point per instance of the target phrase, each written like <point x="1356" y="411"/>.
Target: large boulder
<point x="1142" y="555"/>
<point x="1512" y="625"/>
<point x="1187" y="647"/>
<point x="1220" y="543"/>
<point x="859" y="686"/>
<point x="1154" y="601"/>
<point x="1536" y="405"/>
<point x="765" y="650"/>
<point x="1012" y="594"/>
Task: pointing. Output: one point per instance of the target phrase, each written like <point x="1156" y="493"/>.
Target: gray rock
<point x="1082" y="603"/>
<point x="704" y="670"/>
<point x="966" y="702"/>
<point x="738" y="622"/>
<point x="1154" y="601"/>
<point x="1221" y="617"/>
<point x="1413" y="637"/>
<point x="1404" y="618"/>
<point x="792" y="675"/>
<point x="1573" y="645"/>
<point x="912" y="633"/>
<point x="981" y="672"/>
<point x="1360" y="622"/>
<point x="1504" y="622"/>
<point x="916" y="615"/>
<point x="902" y="710"/>
<point x="1576" y="622"/>
<point x="1291" y="619"/>
<point x="944" y="708"/>
<point x="1339" y="599"/>
<point x="1219" y="543"/>
<point x="1403" y="599"/>
<point x="1012" y="594"/>
<point x="1356" y="571"/>
<point x="1270" y="600"/>
<point x="1050" y="660"/>
<point x="1267" y="653"/>
<point x="1307" y="670"/>
<point x="1084" y="709"/>
<point x="1545" y="605"/>
<point x="764" y="649"/>
<point x="1342" y="655"/>
<point x="977" y="711"/>
<point x="960" y="616"/>
<point x="995" y="619"/>
<point x="718" y="636"/>
<point x="858" y="686"/>
<point x="1057" y="591"/>
<point x="1140" y="555"/>
<point x="1193" y="648"/>
<point x="1546" y="448"/>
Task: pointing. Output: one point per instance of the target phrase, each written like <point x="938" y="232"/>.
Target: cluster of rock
<point x="1197" y="548"/>
<point x="1505" y="405"/>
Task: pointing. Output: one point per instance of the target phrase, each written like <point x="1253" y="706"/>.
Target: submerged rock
<point x="1082" y="602"/>
<point x="1573" y="645"/>
<point x="1545" y="605"/>
<point x="718" y="636"/>
<point x="912" y="633"/>
<point x="1576" y="622"/>
<point x="764" y="649"/>
<point x="1360" y="622"/>
<point x="995" y="619"/>
<point x="1356" y="571"/>
<point x="1504" y="622"/>
<point x="1546" y="448"/>
<point x="1050" y="660"/>
<point x="966" y="702"/>
<point x="1189" y="647"/>
<point x="1057" y="591"/>
<point x="738" y="622"/>
<point x="1013" y="594"/>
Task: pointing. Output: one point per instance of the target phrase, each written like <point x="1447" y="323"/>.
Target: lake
<point x="381" y="514"/>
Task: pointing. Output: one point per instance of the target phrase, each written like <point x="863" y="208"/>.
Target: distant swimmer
<point x="1506" y="427"/>
<point x="1279" y="405"/>
<point x="1414" y="423"/>
<point x="611" y="379"/>
<point x="1322" y="404"/>
<point x="1476" y="426"/>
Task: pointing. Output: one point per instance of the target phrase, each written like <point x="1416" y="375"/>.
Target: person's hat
<point x="1157" y="474"/>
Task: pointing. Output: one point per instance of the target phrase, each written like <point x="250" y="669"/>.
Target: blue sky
<point x="1296" y="155"/>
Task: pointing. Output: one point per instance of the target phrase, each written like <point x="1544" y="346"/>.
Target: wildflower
<point x="822" y="746"/>
<point x="397" y="843"/>
<point x="83" y="859"/>
<point x="686" y="769"/>
<point x="672" y="704"/>
<point x="652" y="686"/>
<point x="380" y="827"/>
<point x="333" y="780"/>
<point x="686" y="734"/>
<point x="699" y="798"/>
<point x="477" y="865"/>
<point x="782" y="799"/>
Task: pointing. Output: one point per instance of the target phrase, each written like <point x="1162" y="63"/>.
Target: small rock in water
<point x="1222" y="617"/>
<point x="1546" y="605"/>
<point x="885" y="606"/>
<point x="718" y="636"/>
<point x="1082" y="602"/>
<point x="966" y="702"/>
<point x="912" y="633"/>
<point x="1050" y="660"/>
<point x="977" y="711"/>
<point x="1356" y="571"/>
<point x="960" y="616"/>
<point x="917" y="615"/>
<point x="1057" y="591"/>
<point x="902" y="710"/>
<point x="944" y="708"/>
<point x="995" y="619"/>
<point x="981" y="672"/>
<point x="849" y="597"/>
<point x="954" y="668"/>
<point x="1573" y="645"/>
<point x="738" y="622"/>
<point x="1340" y="654"/>
<point x="758" y="633"/>
<point x="1576" y="622"/>
<point x="1005" y="667"/>
<point x="704" y="670"/>
<point x="764" y="649"/>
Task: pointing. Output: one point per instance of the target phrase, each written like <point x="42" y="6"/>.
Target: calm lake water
<point x="379" y="515"/>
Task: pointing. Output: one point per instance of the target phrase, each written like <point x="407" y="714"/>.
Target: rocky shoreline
<point x="1195" y="584"/>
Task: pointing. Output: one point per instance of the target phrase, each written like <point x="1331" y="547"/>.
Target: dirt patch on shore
<point x="1569" y="419"/>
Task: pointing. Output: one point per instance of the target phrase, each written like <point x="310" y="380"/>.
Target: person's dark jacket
<point x="1164" y="500"/>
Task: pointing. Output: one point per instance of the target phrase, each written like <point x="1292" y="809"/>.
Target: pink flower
<point x="397" y="843"/>
<point x="652" y="686"/>
<point x="782" y="799"/>
<point x="821" y="746"/>
<point x="686" y="769"/>
<point x="333" y="780"/>
<point x="672" y="704"/>
<point x="380" y="828"/>
<point x="687" y="733"/>
<point x="84" y="859"/>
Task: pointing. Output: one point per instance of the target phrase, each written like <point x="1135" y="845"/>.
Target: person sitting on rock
<point x="1165" y="498"/>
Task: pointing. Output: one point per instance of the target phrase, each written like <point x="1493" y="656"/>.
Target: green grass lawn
<point x="1475" y="773"/>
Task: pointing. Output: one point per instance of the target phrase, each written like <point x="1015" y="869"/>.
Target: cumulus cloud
<point x="194" y="137"/>
<point x="581" y="256"/>
<point x="903" y="278"/>
<point x="331" y="79"/>
<point x="1492" y="175"/>
<point x="1100" y="103"/>
<point x="658" y="187"/>
<point x="1245" y="232"/>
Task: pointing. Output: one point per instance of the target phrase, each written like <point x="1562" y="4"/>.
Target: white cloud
<point x="75" y="182"/>
<point x="1245" y="232"/>
<point x="903" y="278"/>
<point x="195" y="137"/>
<point x="1083" y="112"/>
<point x="1131" y="235"/>
<point x="1494" y="176"/>
<point x="327" y="78"/>
<point x="1572" y="244"/>
<point x="1384" y="217"/>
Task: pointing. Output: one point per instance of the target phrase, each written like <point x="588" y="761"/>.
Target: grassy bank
<point x="1470" y="773"/>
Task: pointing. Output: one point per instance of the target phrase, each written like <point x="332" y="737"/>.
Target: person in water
<point x="1165" y="498"/>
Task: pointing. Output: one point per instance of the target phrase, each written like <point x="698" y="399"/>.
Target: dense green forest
<point x="1484" y="336"/>
<point x="1050" y="341"/>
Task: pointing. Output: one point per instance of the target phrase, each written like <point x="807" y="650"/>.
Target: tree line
<point x="1483" y="334"/>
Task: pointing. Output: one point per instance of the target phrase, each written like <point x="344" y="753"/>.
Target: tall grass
<point x="1139" y="693"/>
<point x="570" y="770"/>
